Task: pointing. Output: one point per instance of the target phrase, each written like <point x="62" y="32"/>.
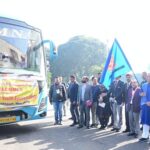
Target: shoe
<point x="95" y="126"/>
<point x="131" y="134"/>
<point x="88" y="127"/>
<point x="56" y="123"/>
<point x="71" y="118"/>
<point x="80" y="126"/>
<point x="92" y="125"/>
<point x="143" y="139"/>
<point x="59" y="123"/>
<point x="141" y="128"/>
<point x="117" y="130"/>
<point x="110" y="125"/>
<point x="102" y="128"/>
<point x="73" y="124"/>
<point x="136" y="135"/>
<point x="77" y="122"/>
<point x="113" y="129"/>
<point x="125" y="131"/>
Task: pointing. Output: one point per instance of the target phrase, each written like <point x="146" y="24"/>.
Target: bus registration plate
<point x="7" y="119"/>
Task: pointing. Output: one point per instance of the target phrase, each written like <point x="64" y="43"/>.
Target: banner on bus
<point x="14" y="92"/>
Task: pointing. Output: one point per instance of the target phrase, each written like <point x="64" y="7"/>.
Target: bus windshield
<point x="20" y="48"/>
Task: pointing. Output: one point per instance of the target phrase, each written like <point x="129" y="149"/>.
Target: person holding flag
<point x="115" y="66"/>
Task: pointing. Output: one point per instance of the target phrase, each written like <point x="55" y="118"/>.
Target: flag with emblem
<point x="116" y="65"/>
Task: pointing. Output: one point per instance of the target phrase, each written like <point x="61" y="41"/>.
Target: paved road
<point x="43" y="135"/>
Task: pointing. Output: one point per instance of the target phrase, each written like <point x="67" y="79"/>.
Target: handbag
<point x="89" y="103"/>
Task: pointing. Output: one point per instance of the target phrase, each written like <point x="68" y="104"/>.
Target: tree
<point x="80" y="56"/>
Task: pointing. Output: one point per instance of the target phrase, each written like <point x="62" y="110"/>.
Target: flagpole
<point x="135" y="77"/>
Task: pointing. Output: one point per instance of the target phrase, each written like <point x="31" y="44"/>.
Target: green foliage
<point x="80" y="56"/>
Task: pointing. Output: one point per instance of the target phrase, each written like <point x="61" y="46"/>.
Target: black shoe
<point x="113" y="129"/>
<point x="71" y="118"/>
<point x="143" y="139"/>
<point x="136" y="135"/>
<point x="59" y="123"/>
<point x="73" y="124"/>
<point x="102" y="128"/>
<point x="92" y="125"/>
<point x="125" y="131"/>
<point x="77" y="122"/>
<point x="80" y="126"/>
<point x="110" y="125"/>
<point x="88" y="127"/>
<point x="131" y="134"/>
<point x="56" y="123"/>
<point x="117" y="130"/>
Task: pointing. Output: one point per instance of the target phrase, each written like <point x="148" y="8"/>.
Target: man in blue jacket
<point x="72" y="94"/>
<point x="145" y="107"/>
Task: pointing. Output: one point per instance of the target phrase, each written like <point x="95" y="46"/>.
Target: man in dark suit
<point x="117" y="100"/>
<point x="127" y="88"/>
<point x="73" y="94"/>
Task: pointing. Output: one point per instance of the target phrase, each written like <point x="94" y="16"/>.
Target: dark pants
<point x="103" y="116"/>
<point x="127" y="119"/>
<point x="84" y="114"/>
<point x="112" y="117"/>
<point x="74" y="112"/>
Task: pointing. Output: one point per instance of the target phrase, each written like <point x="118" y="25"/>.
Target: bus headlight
<point x="43" y="104"/>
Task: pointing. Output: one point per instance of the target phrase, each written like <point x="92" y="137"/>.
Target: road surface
<point x="43" y="135"/>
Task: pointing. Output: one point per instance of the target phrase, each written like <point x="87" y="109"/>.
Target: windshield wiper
<point x="6" y="72"/>
<point x="25" y="74"/>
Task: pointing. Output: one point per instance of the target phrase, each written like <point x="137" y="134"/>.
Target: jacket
<point x="136" y="100"/>
<point x="57" y="93"/>
<point x="73" y="92"/>
<point x="117" y="91"/>
<point x="87" y="94"/>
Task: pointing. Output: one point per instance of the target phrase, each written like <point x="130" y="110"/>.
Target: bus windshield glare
<point x="20" y="48"/>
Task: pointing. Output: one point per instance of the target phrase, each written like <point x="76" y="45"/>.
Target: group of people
<point x="90" y="100"/>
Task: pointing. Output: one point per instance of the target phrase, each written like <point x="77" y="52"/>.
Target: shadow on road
<point x="45" y="136"/>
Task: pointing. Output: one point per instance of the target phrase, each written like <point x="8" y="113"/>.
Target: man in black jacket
<point x="72" y="94"/>
<point x="57" y="95"/>
<point x="127" y="88"/>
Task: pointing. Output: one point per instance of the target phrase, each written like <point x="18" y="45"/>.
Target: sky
<point x="126" y="20"/>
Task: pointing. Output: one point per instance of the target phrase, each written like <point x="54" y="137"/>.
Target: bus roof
<point x="17" y="23"/>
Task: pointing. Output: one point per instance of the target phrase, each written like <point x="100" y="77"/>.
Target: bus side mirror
<point x="51" y="52"/>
